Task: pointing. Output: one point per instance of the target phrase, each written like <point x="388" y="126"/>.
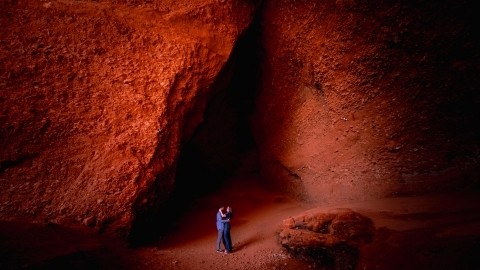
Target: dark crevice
<point x="219" y="144"/>
<point x="4" y="165"/>
<point x="216" y="148"/>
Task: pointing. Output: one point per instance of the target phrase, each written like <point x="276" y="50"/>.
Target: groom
<point x="226" y="231"/>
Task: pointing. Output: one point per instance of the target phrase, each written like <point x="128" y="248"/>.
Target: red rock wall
<point x="97" y="99"/>
<point x="357" y="100"/>
<point x="362" y="100"/>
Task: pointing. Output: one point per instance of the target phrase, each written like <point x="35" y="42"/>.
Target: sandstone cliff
<point x="354" y="100"/>
<point x="362" y="100"/>
<point x="97" y="98"/>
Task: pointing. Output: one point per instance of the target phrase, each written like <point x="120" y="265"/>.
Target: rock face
<point x="97" y="99"/>
<point x="365" y="100"/>
<point x="356" y="100"/>
<point x="331" y="238"/>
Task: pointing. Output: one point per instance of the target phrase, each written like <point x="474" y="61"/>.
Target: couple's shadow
<point x="244" y="243"/>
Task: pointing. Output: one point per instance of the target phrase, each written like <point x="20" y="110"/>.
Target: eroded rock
<point x="97" y="99"/>
<point x="331" y="238"/>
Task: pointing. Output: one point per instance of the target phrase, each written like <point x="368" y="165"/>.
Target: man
<point x="226" y="231"/>
<point x="220" y="228"/>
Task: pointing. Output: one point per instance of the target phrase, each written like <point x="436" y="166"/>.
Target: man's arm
<point x="221" y="217"/>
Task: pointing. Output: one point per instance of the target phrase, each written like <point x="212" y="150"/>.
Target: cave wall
<point x="363" y="99"/>
<point x="356" y="100"/>
<point x="97" y="99"/>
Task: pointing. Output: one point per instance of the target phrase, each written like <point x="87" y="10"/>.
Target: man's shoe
<point x="219" y="251"/>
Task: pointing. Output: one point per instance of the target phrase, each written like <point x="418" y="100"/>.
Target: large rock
<point x="331" y="238"/>
<point x="97" y="99"/>
<point x="366" y="100"/>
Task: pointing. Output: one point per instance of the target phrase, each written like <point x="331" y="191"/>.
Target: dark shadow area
<point x="224" y="139"/>
<point x="340" y="256"/>
<point x="426" y="248"/>
<point x="247" y="242"/>
<point x="218" y="147"/>
<point x="50" y="246"/>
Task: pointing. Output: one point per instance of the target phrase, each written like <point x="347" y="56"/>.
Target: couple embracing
<point x="223" y="229"/>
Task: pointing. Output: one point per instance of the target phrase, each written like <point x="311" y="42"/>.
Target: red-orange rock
<point x="317" y="228"/>
<point x="97" y="99"/>
<point x="362" y="100"/>
<point x="331" y="238"/>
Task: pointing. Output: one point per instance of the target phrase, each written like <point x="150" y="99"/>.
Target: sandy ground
<point x="429" y="232"/>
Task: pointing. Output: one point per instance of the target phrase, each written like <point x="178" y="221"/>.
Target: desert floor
<point x="440" y="231"/>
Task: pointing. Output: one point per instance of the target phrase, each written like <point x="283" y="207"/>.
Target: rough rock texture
<point x="97" y="98"/>
<point x="330" y="238"/>
<point x="363" y="99"/>
<point x="357" y="100"/>
<point x="327" y="229"/>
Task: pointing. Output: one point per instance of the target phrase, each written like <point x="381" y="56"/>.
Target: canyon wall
<point x="362" y="100"/>
<point x="97" y="99"/>
<point x="353" y="100"/>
